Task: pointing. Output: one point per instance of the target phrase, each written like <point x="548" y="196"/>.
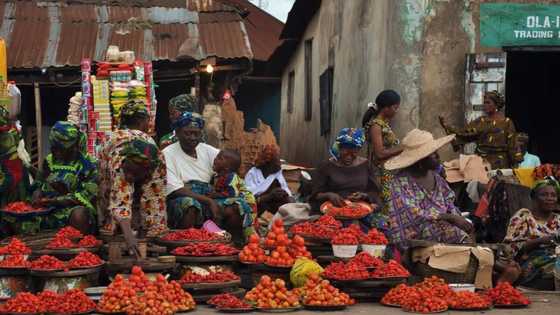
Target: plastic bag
<point x="303" y="267"/>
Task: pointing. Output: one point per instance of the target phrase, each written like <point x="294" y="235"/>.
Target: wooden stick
<point x="39" y="125"/>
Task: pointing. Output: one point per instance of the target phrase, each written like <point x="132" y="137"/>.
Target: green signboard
<point x="514" y="24"/>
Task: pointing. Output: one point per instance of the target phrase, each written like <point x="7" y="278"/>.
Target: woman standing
<point x="494" y="134"/>
<point x="383" y="143"/>
<point x="533" y="235"/>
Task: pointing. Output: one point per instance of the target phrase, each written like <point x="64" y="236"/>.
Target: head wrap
<point x="141" y="152"/>
<point x="269" y="153"/>
<point x="189" y="119"/>
<point x="497" y="98"/>
<point x="548" y="181"/>
<point x="348" y="137"/>
<point x="133" y="108"/>
<point x="183" y="103"/>
<point x="4" y="117"/>
<point x="65" y="134"/>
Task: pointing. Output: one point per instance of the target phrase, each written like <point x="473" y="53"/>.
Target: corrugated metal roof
<point x="45" y="33"/>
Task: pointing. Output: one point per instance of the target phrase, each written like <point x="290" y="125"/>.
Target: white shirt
<point x="257" y="184"/>
<point x="182" y="168"/>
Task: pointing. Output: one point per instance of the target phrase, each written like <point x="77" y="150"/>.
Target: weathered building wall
<point x="416" y="47"/>
<point x="351" y="37"/>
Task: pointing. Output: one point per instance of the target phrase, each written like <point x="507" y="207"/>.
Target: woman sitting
<point x="533" y="235"/>
<point x="346" y="176"/>
<point x="266" y="181"/>
<point x="68" y="183"/>
<point x="421" y="202"/>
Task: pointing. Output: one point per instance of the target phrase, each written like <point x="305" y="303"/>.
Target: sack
<point x="303" y="267"/>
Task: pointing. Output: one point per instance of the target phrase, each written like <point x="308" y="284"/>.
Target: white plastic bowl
<point x="459" y="287"/>
<point x="345" y="251"/>
<point x="374" y="250"/>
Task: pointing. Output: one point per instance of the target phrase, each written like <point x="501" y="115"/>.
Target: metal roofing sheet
<point x="54" y="33"/>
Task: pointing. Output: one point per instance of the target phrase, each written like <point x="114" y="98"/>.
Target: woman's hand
<point x="335" y="199"/>
<point x="215" y="209"/>
<point x="457" y="220"/>
<point x="129" y="238"/>
<point x="359" y="196"/>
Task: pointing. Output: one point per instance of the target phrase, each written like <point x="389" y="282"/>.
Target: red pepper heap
<point x="21" y="207"/>
<point x="228" y="301"/>
<point x="15" y="247"/>
<point x="205" y="250"/>
<point x="211" y="277"/>
<point x="191" y="235"/>
<point x="505" y="294"/>
<point x="85" y="260"/>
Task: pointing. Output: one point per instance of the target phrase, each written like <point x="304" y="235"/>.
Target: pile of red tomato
<point x="15" y="247"/>
<point x="434" y="295"/>
<point x="272" y="294"/>
<point x="21" y="207"/>
<point x="318" y="292"/>
<point x="211" y="277"/>
<point x="68" y="232"/>
<point x="374" y="237"/>
<point x="72" y="302"/>
<point x="158" y="297"/>
<point x="66" y="238"/>
<point x="50" y="263"/>
<point x="84" y="260"/>
<point x="324" y="228"/>
<point x="205" y="250"/>
<point x="358" y="268"/>
<point x="351" y="210"/>
<point x="284" y="251"/>
<point x="15" y="261"/>
<point x="198" y="235"/>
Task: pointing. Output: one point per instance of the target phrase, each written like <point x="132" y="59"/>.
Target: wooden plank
<point x="39" y="124"/>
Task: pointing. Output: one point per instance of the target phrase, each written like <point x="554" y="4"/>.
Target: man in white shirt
<point x="189" y="173"/>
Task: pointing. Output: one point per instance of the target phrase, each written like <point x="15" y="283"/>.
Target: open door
<point x="485" y="72"/>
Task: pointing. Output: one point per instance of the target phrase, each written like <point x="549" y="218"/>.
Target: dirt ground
<point x="543" y="304"/>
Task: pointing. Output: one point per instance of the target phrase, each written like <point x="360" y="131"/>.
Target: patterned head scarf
<point x="497" y="98"/>
<point x="4" y="118"/>
<point x="134" y="108"/>
<point x="548" y="181"/>
<point x="269" y="153"/>
<point x="183" y="103"/>
<point x="65" y="134"/>
<point x="189" y="119"/>
<point x="348" y="137"/>
<point x="141" y="152"/>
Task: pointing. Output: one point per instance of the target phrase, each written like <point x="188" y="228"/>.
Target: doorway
<point x="533" y="97"/>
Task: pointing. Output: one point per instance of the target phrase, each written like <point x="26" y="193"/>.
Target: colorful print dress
<point x="390" y="140"/>
<point x="14" y="176"/>
<point x="523" y="226"/>
<point x="414" y="212"/>
<point x="117" y="196"/>
<point x="495" y="141"/>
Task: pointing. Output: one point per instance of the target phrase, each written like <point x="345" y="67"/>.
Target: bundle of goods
<point x="194" y="235"/>
<point x="15" y="247"/>
<point x="228" y="301"/>
<point x="205" y="250"/>
<point x="74" y="109"/>
<point x="269" y="294"/>
<point x="137" y="91"/>
<point x="506" y="295"/>
<point x="212" y="275"/>
<point x="71" y="302"/>
<point x="349" y="211"/>
<point x="158" y="297"/>
<point x="318" y="292"/>
<point x="119" y="97"/>
<point x="21" y="207"/>
<point x="325" y="228"/>
<point x="434" y="295"/>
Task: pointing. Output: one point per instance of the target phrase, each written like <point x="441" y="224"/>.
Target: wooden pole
<point x="39" y="125"/>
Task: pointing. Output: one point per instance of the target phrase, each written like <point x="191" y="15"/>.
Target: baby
<point x="229" y="189"/>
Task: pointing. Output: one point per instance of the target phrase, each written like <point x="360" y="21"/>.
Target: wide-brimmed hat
<point x="417" y="145"/>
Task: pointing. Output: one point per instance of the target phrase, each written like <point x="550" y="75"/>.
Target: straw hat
<point x="417" y="145"/>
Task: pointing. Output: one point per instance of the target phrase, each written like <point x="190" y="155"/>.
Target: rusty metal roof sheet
<point x="46" y="33"/>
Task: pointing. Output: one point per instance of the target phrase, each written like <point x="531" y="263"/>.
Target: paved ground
<point x="543" y="304"/>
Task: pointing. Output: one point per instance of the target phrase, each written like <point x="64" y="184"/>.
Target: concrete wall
<point x="417" y="47"/>
<point x="351" y="36"/>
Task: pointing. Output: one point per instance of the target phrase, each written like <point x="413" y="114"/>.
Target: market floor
<point x="543" y="304"/>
